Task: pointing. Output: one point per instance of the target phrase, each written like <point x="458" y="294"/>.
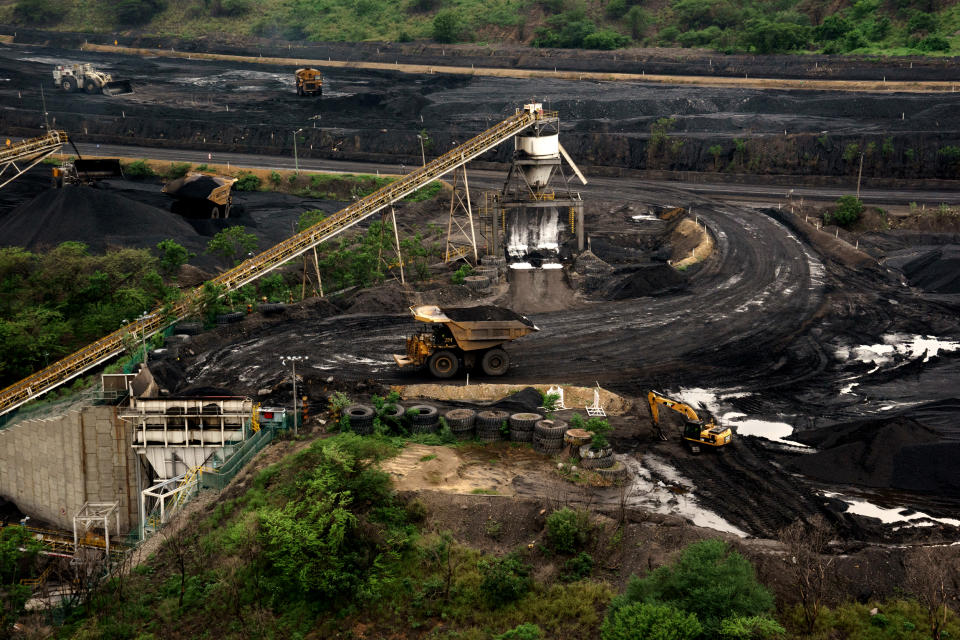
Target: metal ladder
<point x="30" y="151"/>
<point x="253" y="268"/>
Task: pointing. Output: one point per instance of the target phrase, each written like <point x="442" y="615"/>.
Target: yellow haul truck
<point x="695" y="431"/>
<point x="463" y="338"/>
<point x="309" y="82"/>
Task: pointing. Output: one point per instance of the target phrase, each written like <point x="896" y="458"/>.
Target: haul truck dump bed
<point x="464" y="337"/>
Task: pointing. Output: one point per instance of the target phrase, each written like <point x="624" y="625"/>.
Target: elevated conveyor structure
<point x="248" y="271"/>
<point x="23" y="156"/>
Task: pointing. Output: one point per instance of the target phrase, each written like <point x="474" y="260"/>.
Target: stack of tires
<point x="521" y="426"/>
<point x="548" y="436"/>
<point x="488" y="425"/>
<point x="361" y="418"/>
<point x="601" y="461"/>
<point x="188" y="328"/>
<point x="393" y="415"/>
<point x="490" y="271"/>
<point x="230" y="318"/>
<point x="424" y="418"/>
<point x="461" y="423"/>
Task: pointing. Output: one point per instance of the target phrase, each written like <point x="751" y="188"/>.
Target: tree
<point x="932" y="579"/>
<point x="18" y="555"/>
<point x="709" y="579"/>
<point x="846" y="211"/>
<point x="309" y="218"/>
<point x="716" y="151"/>
<point x="505" y="580"/>
<point x="447" y="26"/>
<point x="637" y="19"/>
<point x="643" y="621"/>
<point x="807" y="565"/>
<point x="232" y="243"/>
<point x="172" y="256"/>
<point x="568" y="530"/>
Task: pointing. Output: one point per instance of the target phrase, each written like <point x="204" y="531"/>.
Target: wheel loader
<point x="463" y="338"/>
<point x="76" y="77"/>
<point x="695" y="432"/>
<point x="309" y="82"/>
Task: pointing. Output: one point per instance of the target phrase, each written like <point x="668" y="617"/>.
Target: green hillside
<point x="927" y="27"/>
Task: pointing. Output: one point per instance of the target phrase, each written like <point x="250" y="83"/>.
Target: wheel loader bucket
<point x="117" y="87"/>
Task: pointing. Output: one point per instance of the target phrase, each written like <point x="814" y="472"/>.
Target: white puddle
<point x="552" y="265"/>
<point x="644" y="216"/>
<point x="655" y="496"/>
<point x="897" y="347"/>
<point x="521" y="265"/>
<point x="907" y="517"/>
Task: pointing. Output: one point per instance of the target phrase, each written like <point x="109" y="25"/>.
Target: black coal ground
<point x="764" y="317"/>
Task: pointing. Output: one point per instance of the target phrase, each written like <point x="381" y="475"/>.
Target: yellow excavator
<point x="695" y="431"/>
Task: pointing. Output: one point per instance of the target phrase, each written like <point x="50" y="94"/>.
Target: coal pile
<point x="524" y="401"/>
<point x="484" y="313"/>
<point x="897" y="453"/>
<point x="194" y="187"/>
<point x="935" y="269"/>
<point x="95" y="217"/>
<point x="642" y="280"/>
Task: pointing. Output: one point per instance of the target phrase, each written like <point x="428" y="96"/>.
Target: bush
<point x="934" y="43"/>
<point x="461" y="273"/>
<point x="178" y="170"/>
<point x="578" y="567"/>
<point x="605" y="39"/>
<point x="139" y="169"/>
<point x="709" y="579"/>
<point x="655" y="621"/>
<point x="172" y="256"/>
<point x="247" y="182"/>
<point x="135" y="12"/>
<point x="38" y="12"/>
<point x="846" y="211"/>
<point x="751" y="628"/>
<point x="525" y="631"/>
<point x="447" y="26"/>
<point x="505" y="580"/>
<point x="568" y="530"/>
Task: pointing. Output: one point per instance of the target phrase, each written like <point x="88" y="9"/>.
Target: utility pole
<point x="296" y="162"/>
<point x="293" y="362"/>
<point x="423" y="157"/>
<point x="859" y="175"/>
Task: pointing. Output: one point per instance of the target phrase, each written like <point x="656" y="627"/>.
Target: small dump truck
<point x="74" y="77"/>
<point x="309" y="82"/>
<point x="462" y="338"/>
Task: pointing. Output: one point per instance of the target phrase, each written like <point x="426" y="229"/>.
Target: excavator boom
<point x="696" y="431"/>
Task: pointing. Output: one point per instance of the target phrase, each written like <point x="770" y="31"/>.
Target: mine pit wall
<point x="50" y="467"/>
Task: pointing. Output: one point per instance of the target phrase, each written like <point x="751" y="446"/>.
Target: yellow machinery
<point x="463" y="337"/>
<point x="695" y="432"/>
<point x="211" y="196"/>
<point x="309" y="82"/>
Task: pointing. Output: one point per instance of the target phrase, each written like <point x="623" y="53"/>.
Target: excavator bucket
<point x="117" y="87"/>
<point x="97" y="169"/>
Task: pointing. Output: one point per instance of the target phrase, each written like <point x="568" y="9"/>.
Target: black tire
<point x="229" y="318"/>
<point x="551" y="429"/>
<point x="521" y="436"/>
<point x="395" y="413"/>
<point x="617" y="471"/>
<point x="495" y="362"/>
<point x="425" y="428"/>
<point x="69" y="85"/>
<point x="189" y="328"/>
<point x="425" y="414"/>
<point x="489" y="438"/>
<point x="460" y="419"/>
<point x="463" y="434"/>
<point x="444" y="364"/>
<point x="491" y="419"/>
<point x="547" y="446"/>
<point x="272" y="307"/>
<point x="91" y="87"/>
<point x="597" y="463"/>
<point x="524" y="421"/>
<point x="587" y="453"/>
<point x="360" y="417"/>
<point x="477" y="283"/>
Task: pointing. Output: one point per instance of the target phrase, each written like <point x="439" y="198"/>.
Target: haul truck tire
<point x="495" y="362"/>
<point x="444" y="364"/>
<point x="90" y="87"/>
<point x="69" y="85"/>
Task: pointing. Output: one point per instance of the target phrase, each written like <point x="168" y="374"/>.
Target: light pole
<point x="296" y="163"/>
<point x="293" y="363"/>
<point x="423" y="156"/>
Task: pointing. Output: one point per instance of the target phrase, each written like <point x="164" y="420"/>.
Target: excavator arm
<point x="696" y="431"/>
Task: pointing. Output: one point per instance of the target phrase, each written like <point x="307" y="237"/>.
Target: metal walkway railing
<point x="249" y="270"/>
<point x="30" y="152"/>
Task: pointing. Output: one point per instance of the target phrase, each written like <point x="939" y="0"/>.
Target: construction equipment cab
<point x="695" y="431"/>
<point x="74" y="77"/>
<point x="462" y="338"/>
<point x="309" y="82"/>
